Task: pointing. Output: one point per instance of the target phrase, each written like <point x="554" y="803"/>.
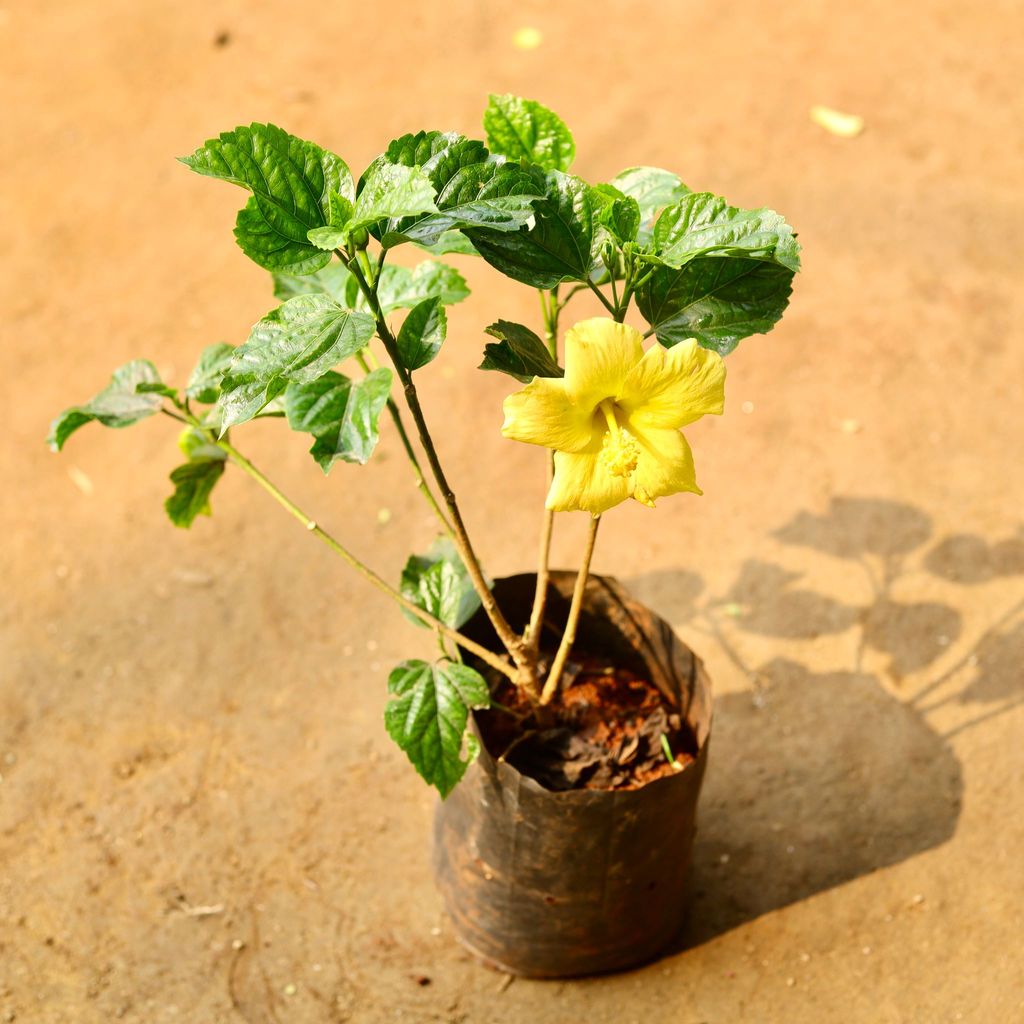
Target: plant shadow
<point x="819" y="777"/>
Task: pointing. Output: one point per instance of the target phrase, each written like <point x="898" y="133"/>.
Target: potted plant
<point x="565" y="726"/>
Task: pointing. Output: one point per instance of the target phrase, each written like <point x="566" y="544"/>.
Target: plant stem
<point x="421" y="480"/>
<point x="513" y="643"/>
<point x="246" y="466"/>
<point x="569" y="635"/>
<point x="604" y="301"/>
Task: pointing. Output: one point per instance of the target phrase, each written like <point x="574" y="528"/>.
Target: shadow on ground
<point x="789" y="815"/>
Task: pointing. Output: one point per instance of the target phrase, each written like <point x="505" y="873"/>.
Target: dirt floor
<point x="201" y="817"/>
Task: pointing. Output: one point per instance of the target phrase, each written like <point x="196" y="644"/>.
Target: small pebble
<point x="384" y="516"/>
<point x="866" y="950"/>
<point x="791" y="982"/>
<point x="237" y="944"/>
<point x="290" y="989"/>
<point x="837" y="122"/>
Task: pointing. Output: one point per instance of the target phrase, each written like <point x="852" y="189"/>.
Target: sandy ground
<point x="201" y="818"/>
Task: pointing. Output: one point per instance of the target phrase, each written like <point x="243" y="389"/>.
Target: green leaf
<point x="156" y="387"/>
<point x="560" y="244"/>
<point x="439" y="583"/>
<point x="193" y="483"/>
<point x="291" y="181"/>
<point x="651" y="187"/>
<point x="520" y="353"/>
<point x="522" y="129"/>
<point x="428" y="717"/>
<point x="617" y="212"/>
<point x="450" y="242"/>
<point x="702" y="223"/>
<point x="335" y="235"/>
<point x="422" y="333"/>
<point x="196" y="445"/>
<point x="120" y="404"/>
<point x="401" y="288"/>
<point x="717" y="300"/>
<point x="204" y="382"/>
<point x="473" y="191"/>
<point x="391" y="190"/>
<point x="341" y="414"/>
<point x="330" y="280"/>
<point x="299" y="341"/>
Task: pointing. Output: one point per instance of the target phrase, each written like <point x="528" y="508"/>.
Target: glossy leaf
<point x="454" y="242"/>
<point x="439" y="583"/>
<point x="557" y="247"/>
<point x="331" y="280"/>
<point x="299" y="341"/>
<point x="428" y="717"/>
<point x="120" y="404"/>
<point x="522" y="129"/>
<point x="193" y="483"/>
<point x="204" y="381"/>
<point x="617" y="212"/>
<point x="702" y="223"/>
<point x="718" y="300"/>
<point x="651" y="187"/>
<point x="520" y="353"/>
<point x="389" y="191"/>
<point x="291" y="181"/>
<point x="341" y="414"/>
<point x="422" y="334"/>
<point x="401" y="288"/>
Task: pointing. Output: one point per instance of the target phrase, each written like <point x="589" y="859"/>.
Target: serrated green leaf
<point x="193" y="483"/>
<point x="558" y="247"/>
<point x="719" y="300"/>
<point x="651" y="187"/>
<point x="439" y="583"/>
<point x="522" y="129"/>
<point x="617" y="212"/>
<point x="450" y="242"/>
<point x="299" y="341"/>
<point x="390" y="191"/>
<point x="428" y="717"/>
<point x="341" y="414"/>
<point x="335" y="235"/>
<point x="204" y="382"/>
<point x="701" y="224"/>
<point x="401" y="288"/>
<point x="422" y="334"/>
<point x="520" y="353"/>
<point x="332" y="280"/>
<point x="291" y="181"/>
<point x="119" y="404"/>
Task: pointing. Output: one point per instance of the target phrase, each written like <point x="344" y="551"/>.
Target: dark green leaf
<point x="291" y="181"/>
<point x="341" y="414"/>
<point x="558" y="247"/>
<point x="702" y="223"/>
<point x="520" y="353"/>
<point x="331" y="280"/>
<point x="204" y="383"/>
<point x="716" y="299"/>
<point x="439" y="583"/>
<point x="428" y="717"/>
<point x="120" y="404"/>
<point x="617" y="212"/>
<point x="299" y="341"/>
<point x="651" y="187"/>
<point x="522" y="129"/>
<point x="193" y="483"/>
<point x="422" y="334"/>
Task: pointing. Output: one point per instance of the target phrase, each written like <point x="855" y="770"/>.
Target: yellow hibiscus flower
<point x="614" y="419"/>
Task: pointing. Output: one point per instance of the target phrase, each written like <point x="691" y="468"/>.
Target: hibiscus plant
<point x="703" y="275"/>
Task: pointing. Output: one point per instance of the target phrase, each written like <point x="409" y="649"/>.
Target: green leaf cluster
<point x="439" y="583"/>
<point x="428" y="716"/>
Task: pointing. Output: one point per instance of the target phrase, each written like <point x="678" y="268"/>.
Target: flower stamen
<point x="619" y="450"/>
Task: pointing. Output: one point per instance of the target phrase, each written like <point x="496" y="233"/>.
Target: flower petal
<point x="583" y="484"/>
<point x="543" y="413"/>
<point x="665" y="466"/>
<point x="670" y="388"/>
<point x="599" y="354"/>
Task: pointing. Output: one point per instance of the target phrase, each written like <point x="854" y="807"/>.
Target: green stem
<point x="600" y="294"/>
<point x="569" y="635"/>
<point x="512" y="642"/>
<point x="282" y="499"/>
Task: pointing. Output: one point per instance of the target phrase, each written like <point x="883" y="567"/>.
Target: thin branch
<point x="246" y="466"/>
<point x="569" y="636"/>
<point x="600" y="294"/>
